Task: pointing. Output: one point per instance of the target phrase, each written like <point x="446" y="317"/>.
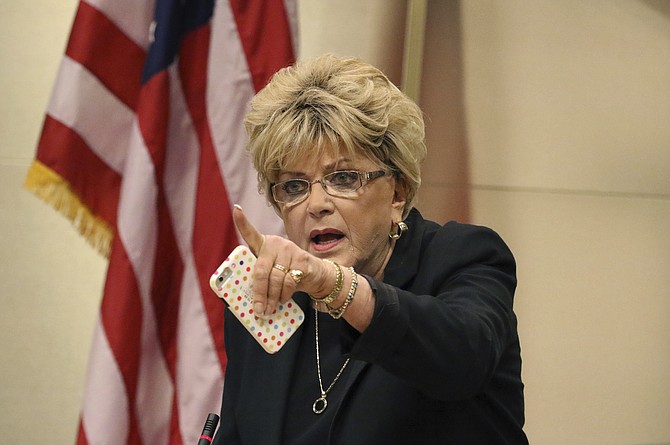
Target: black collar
<point x="404" y="262"/>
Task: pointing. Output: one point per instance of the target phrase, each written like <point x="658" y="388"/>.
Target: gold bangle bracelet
<point x="339" y="312"/>
<point x="339" y="281"/>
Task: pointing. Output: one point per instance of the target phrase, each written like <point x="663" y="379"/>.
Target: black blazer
<point x="439" y="364"/>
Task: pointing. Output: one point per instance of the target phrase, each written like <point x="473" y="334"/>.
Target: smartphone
<point x="232" y="283"/>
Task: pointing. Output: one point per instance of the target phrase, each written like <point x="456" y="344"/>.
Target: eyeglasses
<point x="341" y="184"/>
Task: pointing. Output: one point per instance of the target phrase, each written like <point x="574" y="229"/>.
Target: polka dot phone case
<point x="232" y="283"/>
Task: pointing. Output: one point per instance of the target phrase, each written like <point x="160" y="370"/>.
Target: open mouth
<point x="327" y="238"/>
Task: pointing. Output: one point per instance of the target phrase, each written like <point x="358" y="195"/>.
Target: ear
<point x="399" y="197"/>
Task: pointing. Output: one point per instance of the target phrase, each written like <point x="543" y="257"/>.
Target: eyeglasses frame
<point x="363" y="178"/>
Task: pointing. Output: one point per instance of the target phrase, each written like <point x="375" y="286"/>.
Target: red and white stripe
<point x="162" y="163"/>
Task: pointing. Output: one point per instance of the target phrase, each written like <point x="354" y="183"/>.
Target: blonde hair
<point x="335" y="103"/>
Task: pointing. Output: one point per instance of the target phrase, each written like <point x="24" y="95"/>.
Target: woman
<point x="409" y="336"/>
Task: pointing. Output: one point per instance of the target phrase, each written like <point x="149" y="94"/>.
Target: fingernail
<point x="258" y="308"/>
<point x="237" y="206"/>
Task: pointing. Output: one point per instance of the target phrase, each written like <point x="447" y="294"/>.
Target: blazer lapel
<point x="356" y="371"/>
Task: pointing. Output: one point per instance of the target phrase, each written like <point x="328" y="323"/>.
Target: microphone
<point x="208" y="430"/>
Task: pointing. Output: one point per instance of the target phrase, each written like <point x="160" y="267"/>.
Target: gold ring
<point x="280" y="268"/>
<point x="297" y="275"/>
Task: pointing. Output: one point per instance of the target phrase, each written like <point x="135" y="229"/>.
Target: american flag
<point x="143" y="148"/>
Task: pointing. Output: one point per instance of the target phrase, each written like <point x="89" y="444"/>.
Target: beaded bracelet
<point x="339" y="281"/>
<point x="339" y="312"/>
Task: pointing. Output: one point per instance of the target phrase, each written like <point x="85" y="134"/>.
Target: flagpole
<point x="415" y="29"/>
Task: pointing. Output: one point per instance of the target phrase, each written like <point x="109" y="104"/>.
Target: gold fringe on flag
<point x="54" y="190"/>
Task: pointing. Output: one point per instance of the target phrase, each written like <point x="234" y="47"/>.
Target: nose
<point x="319" y="202"/>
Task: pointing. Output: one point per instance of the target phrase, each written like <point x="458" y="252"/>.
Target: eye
<point x="342" y="178"/>
<point x="294" y="186"/>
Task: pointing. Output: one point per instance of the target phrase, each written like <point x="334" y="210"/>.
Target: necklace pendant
<point x="320" y="405"/>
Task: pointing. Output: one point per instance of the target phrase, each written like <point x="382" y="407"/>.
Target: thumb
<point x="253" y="237"/>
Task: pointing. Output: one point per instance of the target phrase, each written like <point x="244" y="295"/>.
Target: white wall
<point x="546" y="120"/>
<point x="50" y="280"/>
<point x="561" y="142"/>
<point x="568" y="111"/>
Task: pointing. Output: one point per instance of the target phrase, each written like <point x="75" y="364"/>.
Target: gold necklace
<point x="321" y="403"/>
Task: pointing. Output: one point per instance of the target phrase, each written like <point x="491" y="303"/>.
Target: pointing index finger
<point x="250" y="234"/>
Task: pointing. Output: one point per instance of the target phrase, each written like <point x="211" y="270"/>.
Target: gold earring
<point x="397" y="233"/>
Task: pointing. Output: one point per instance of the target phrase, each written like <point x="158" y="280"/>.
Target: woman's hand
<point x="279" y="261"/>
